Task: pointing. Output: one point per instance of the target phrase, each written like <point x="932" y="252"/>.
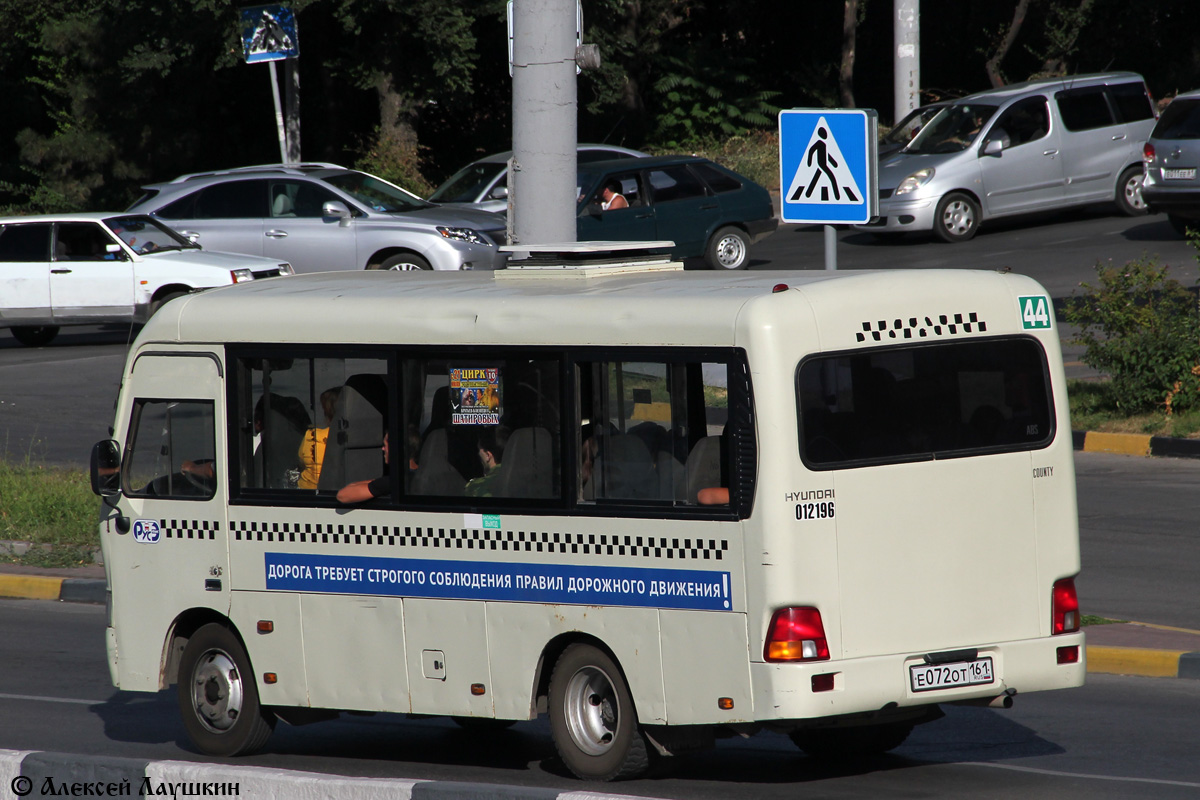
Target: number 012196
<point x="821" y="510"/>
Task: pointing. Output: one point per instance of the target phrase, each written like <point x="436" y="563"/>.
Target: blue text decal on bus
<point x="470" y="580"/>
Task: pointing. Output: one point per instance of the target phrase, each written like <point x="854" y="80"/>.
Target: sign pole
<point x="283" y="159"/>
<point x="830" y="247"/>
<point x="828" y="170"/>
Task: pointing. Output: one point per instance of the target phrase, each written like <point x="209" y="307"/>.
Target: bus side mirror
<point x="106" y="468"/>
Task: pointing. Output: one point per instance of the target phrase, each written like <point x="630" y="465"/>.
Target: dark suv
<point x="705" y="209"/>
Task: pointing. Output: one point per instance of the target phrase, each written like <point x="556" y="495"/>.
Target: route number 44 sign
<point x="1036" y="312"/>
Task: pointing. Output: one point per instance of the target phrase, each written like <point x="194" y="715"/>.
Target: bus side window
<point x="171" y="450"/>
<point x="654" y="432"/>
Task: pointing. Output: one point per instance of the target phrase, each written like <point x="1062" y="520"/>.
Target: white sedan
<point x="88" y="269"/>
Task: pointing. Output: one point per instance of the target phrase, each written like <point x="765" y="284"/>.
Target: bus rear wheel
<point x="592" y="718"/>
<point x="218" y="697"/>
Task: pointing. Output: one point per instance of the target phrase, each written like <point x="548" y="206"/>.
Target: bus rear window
<point x="923" y="402"/>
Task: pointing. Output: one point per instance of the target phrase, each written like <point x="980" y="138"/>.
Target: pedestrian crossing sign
<point x="828" y="165"/>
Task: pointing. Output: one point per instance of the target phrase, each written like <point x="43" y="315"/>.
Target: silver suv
<point x="323" y="217"/>
<point x="1029" y="147"/>
<point x="1172" y="156"/>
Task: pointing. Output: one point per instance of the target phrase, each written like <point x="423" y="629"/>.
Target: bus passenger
<point x="312" y="448"/>
<point x="491" y="453"/>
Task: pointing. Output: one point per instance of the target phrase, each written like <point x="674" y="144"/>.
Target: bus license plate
<point x="927" y="677"/>
<point x="1188" y="174"/>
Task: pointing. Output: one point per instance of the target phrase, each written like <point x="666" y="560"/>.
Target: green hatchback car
<point x="706" y="210"/>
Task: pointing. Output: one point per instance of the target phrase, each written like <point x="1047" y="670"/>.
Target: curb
<point x="1135" y="444"/>
<point x="67" y="590"/>
<point x="1143" y="662"/>
<point x="42" y="774"/>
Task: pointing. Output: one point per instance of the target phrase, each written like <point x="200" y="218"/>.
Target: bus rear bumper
<point x="863" y="685"/>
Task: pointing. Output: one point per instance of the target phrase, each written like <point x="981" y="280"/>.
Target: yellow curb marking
<point x="1130" y="444"/>
<point x="1134" y="661"/>
<point x="33" y="587"/>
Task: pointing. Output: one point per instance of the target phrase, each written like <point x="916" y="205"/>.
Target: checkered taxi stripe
<point x="202" y="529"/>
<point x="476" y="539"/>
<point x="921" y="327"/>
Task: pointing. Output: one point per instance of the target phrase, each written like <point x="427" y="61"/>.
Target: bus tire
<point x="842" y="743"/>
<point x="35" y="336"/>
<point x="592" y="717"/>
<point x="218" y="696"/>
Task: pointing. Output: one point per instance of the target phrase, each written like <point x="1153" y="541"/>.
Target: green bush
<point x="1141" y="328"/>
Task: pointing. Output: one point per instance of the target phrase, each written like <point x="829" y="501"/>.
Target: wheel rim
<point x="731" y="252"/>
<point x="404" y="266"/>
<point x="958" y="218"/>
<point x="592" y="711"/>
<point x="217" y="691"/>
<point x="1133" y="193"/>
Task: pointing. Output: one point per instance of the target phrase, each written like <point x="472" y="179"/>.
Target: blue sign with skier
<point x="269" y="34"/>
<point x="828" y="165"/>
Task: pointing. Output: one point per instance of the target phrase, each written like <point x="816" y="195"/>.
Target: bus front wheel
<point x="592" y="718"/>
<point x="218" y="697"/>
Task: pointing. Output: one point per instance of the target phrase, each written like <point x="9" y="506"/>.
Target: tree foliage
<point x="102" y="96"/>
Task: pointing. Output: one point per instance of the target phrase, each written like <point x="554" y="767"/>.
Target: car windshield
<point x="911" y="125"/>
<point x="146" y="235"/>
<point x="465" y="185"/>
<point x="954" y="129"/>
<point x="375" y="192"/>
<point x="1180" y="120"/>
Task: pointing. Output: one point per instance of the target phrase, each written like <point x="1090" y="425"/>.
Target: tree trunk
<point x="1010" y="36"/>
<point x="846" y="73"/>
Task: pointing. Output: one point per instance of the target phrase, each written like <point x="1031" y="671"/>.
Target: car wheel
<point x="35" y="336"/>
<point x="729" y="248"/>
<point x="218" y="697"/>
<point x="1180" y="224"/>
<point x="159" y="302"/>
<point x="842" y="743"/>
<point x="592" y="719"/>
<point x="957" y="218"/>
<point x="1129" y="193"/>
<point x="405" y="262"/>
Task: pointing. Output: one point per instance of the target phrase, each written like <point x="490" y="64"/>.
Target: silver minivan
<point x="1035" y="146"/>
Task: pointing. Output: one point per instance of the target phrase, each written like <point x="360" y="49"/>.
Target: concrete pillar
<point x="542" y="173"/>
<point x="906" y="74"/>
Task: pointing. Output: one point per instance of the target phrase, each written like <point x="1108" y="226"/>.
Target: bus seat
<point x="528" y="465"/>
<point x="625" y="468"/>
<point x="278" y="451"/>
<point x="703" y="467"/>
<point x="672" y="477"/>
<point x="435" y="474"/>
<point x="353" y="452"/>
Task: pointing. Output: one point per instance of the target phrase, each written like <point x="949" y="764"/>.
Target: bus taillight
<point x="1064" y="614"/>
<point x="796" y="634"/>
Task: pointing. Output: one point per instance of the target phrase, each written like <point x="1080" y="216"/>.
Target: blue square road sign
<point x="828" y="165"/>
